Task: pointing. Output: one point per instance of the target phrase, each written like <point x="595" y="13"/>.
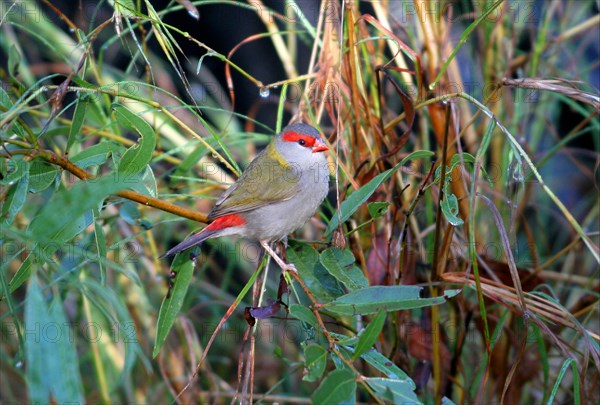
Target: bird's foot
<point x="289" y="267"/>
<point x="283" y="265"/>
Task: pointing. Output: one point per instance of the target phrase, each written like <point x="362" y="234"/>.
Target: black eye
<point x="301" y="142"/>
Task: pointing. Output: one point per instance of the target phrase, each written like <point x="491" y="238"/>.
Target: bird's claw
<point x="290" y="267"/>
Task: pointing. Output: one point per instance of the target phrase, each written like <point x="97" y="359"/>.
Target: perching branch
<point x="148" y="201"/>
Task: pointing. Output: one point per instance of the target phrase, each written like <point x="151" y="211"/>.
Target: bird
<point x="277" y="193"/>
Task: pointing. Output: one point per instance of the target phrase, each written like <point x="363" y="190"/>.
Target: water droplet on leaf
<point x="518" y="174"/>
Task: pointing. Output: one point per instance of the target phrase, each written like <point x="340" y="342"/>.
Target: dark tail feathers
<point x="193" y="240"/>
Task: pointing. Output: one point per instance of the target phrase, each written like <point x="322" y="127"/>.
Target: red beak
<point x="319" y="146"/>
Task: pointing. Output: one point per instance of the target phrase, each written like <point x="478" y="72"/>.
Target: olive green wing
<point x="265" y="181"/>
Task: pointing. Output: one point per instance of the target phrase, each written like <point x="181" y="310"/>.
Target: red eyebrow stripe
<point x="292" y="136"/>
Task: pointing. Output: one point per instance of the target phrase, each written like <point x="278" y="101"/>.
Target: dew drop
<point x="215" y="156"/>
<point x="194" y="13"/>
<point x="264" y="92"/>
<point x="71" y="29"/>
<point x="517" y="174"/>
<point x="19" y="364"/>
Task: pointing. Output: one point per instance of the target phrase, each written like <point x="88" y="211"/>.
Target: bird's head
<point x="301" y="144"/>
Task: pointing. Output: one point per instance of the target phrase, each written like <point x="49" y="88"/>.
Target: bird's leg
<point x="284" y="266"/>
<point x="283" y="248"/>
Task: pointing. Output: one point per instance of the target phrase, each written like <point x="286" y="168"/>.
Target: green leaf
<point x="340" y="264"/>
<point x="68" y="232"/>
<point x="62" y="362"/>
<point x="22" y="273"/>
<point x="78" y="117"/>
<point x="369" y="336"/>
<point x="35" y="353"/>
<point x="169" y="309"/>
<point x="449" y="206"/>
<point x="110" y="310"/>
<point x="52" y="363"/>
<point x="75" y="204"/>
<point x="95" y="155"/>
<point x="15" y="169"/>
<point x="100" y="240"/>
<point x="4" y="99"/>
<point x="393" y="298"/>
<point x="143" y="182"/>
<point x="329" y="283"/>
<point x="42" y="251"/>
<point x="338" y="361"/>
<point x="315" y="358"/>
<point x="576" y="390"/>
<point x="125" y="6"/>
<point x="378" y="208"/>
<point x="306" y="260"/>
<point x="41" y="176"/>
<point x="468" y="158"/>
<point x="302" y="313"/>
<point x="138" y="156"/>
<point x="15" y="200"/>
<point x="339" y="386"/>
<point x="386" y="366"/>
<point x="130" y="213"/>
<point x="394" y="391"/>
<point x="357" y="198"/>
<point x="344" y="340"/>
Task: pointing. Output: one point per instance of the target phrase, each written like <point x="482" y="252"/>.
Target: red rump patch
<point x="292" y="136"/>
<point x="226" y="221"/>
